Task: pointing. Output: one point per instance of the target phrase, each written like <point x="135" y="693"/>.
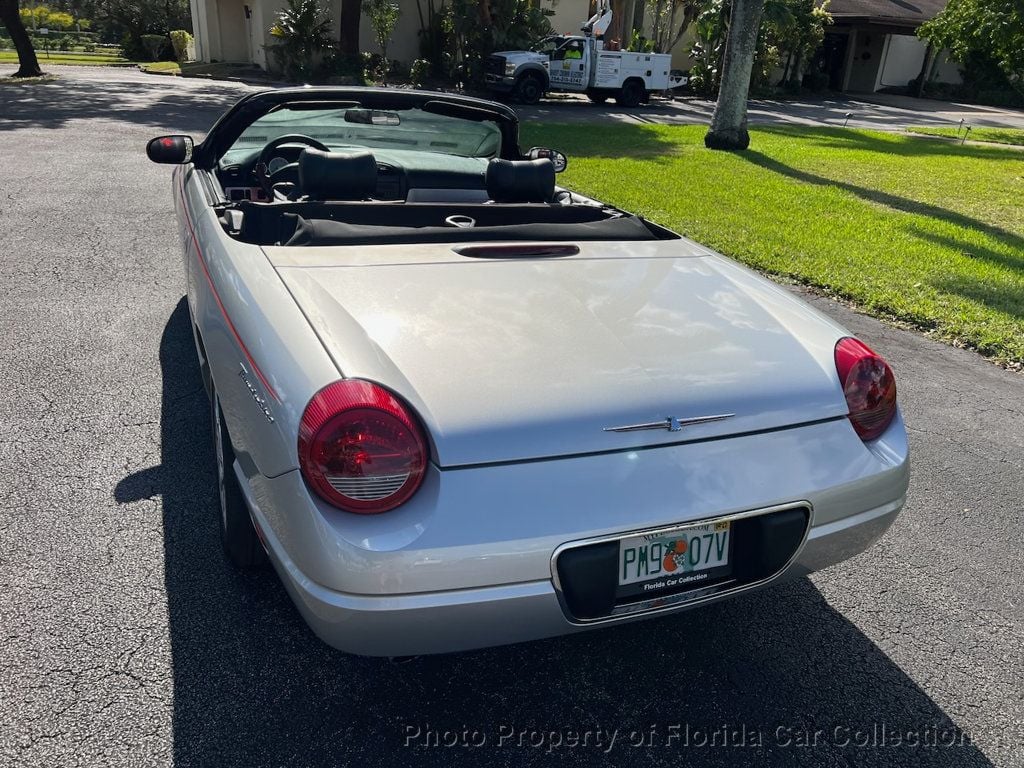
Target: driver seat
<point x="348" y="175"/>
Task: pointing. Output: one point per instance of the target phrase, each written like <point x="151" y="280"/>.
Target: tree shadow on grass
<point x="896" y="202"/>
<point x="254" y="687"/>
<point x="997" y="296"/>
<point x="888" y="143"/>
<point x="1011" y="259"/>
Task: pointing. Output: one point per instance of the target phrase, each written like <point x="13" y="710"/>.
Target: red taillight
<point x="869" y="386"/>
<point x="360" y="448"/>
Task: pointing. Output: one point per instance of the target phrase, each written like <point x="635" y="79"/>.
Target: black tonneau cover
<point x="314" y="232"/>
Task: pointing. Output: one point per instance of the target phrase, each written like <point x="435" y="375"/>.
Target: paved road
<point x="876" y="111"/>
<point x="125" y="640"/>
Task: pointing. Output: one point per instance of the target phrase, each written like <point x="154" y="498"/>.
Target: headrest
<point x="337" y="175"/>
<point x="520" y="181"/>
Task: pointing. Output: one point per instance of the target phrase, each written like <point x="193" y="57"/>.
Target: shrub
<point x="399" y="70"/>
<point x="816" y="82"/>
<point x="639" y="43"/>
<point x="180" y="41"/>
<point x="303" y="34"/>
<point x="64" y="43"/>
<point x="383" y="16"/>
<point x="419" y="72"/>
<point x="339" y="69"/>
<point x="372" y="64"/>
<point x="89" y="46"/>
<point x="154" y="45"/>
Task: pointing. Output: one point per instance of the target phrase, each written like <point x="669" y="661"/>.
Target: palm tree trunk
<point x="627" y="22"/>
<point x="798" y="61"/>
<point x="28" y="64"/>
<point x="930" y="55"/>
<point x="484" y="12"/>
<point x="351" y="10"/>
<point x="638" y="15"/>
<point x="729" y="121"/>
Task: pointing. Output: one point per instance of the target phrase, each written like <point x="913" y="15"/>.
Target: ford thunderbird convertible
<point x="457" y="405"/>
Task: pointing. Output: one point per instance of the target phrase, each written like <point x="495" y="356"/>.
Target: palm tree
<point x="351" y="13"/>
<point x="729" y="121"/>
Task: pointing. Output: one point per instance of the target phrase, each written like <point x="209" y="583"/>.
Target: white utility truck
<point x="581" y="64"/>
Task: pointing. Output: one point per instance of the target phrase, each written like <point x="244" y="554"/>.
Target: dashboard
<point x="414" y="176"/>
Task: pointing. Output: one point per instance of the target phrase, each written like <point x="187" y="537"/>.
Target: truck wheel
<point x="597" y="98"/>
<point x="237" y="531"/>
<point x="632" y="93"/>
<point x="529" y="89"/>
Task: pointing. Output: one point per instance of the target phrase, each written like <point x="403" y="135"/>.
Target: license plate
<point x="679" y="559"/>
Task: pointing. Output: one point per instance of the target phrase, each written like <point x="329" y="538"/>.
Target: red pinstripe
<point x="216" y="296"/>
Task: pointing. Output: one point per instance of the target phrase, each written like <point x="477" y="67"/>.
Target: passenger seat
<point x="520" y="181"/>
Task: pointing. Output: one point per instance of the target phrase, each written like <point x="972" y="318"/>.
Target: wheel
<point x="597" y="98"/>
<point x="631" y="94"/>
<point x="237" y="532"/>
<point x="529" y="89"/>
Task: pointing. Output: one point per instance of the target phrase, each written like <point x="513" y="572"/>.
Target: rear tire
<point x="237" y="532"/>
<point x="529" y="89"/>
<point x="631" y="94"/>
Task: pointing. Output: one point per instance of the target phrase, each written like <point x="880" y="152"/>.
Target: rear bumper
<point x="442" y="622"/>
<point x="468" y="562"/>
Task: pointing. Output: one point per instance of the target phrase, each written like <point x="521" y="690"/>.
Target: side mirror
<point x="173" y="150"/>
<point x="557" y="158"/>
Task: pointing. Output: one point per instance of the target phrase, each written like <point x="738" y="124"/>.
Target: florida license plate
<point x="676" y="560"/>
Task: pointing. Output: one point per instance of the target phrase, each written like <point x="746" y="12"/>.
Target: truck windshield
<point x="548" y="44"/>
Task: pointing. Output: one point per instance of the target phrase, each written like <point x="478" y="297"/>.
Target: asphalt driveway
<point x="125" y="639"/>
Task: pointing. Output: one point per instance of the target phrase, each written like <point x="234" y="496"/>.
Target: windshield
<point x="548" y="44"/>
<point x="347" y="127"/>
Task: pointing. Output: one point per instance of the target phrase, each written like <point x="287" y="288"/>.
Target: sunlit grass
<point x="995" y="135"/>
<point x="930" y="233"/>
<point x="67" y="57"/>
<point x="162" y="67"/>
<point x="21" y="82"/>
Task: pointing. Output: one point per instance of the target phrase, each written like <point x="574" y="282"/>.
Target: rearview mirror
<point x="557" y="158"/>
<point x="372" y="117"/>
<point x="173" y="150"/>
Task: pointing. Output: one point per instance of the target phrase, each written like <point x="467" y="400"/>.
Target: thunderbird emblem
<point x="672" y="424"/>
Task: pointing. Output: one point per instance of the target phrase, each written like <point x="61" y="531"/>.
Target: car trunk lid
<point x="520" y="359"/>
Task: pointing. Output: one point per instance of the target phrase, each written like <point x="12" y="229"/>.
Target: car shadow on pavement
<point x="778" y="677"/>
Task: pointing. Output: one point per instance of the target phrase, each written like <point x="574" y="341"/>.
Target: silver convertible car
<point x="457" y="405"/>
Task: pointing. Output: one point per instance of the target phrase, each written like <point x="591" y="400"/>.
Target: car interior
<point x="352" y="197"/>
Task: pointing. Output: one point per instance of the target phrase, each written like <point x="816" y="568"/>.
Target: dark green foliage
<point x="302" y="34"/>
<point x="983" y="35"/>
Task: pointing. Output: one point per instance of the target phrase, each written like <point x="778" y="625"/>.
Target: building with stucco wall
<point x="238" y="30"/>
<point x="871" y="44"/>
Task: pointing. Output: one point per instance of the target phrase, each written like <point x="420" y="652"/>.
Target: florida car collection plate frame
<point x="715" y="586"/>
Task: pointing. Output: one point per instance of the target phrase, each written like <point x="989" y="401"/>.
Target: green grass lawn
<point x="922" y="231"/>
<point x="68" y="57"/>
<point x="162" y="67"/>
<point x="995" y="135"/>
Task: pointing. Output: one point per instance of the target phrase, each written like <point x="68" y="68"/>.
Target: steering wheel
<point x="287" y="174"/>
